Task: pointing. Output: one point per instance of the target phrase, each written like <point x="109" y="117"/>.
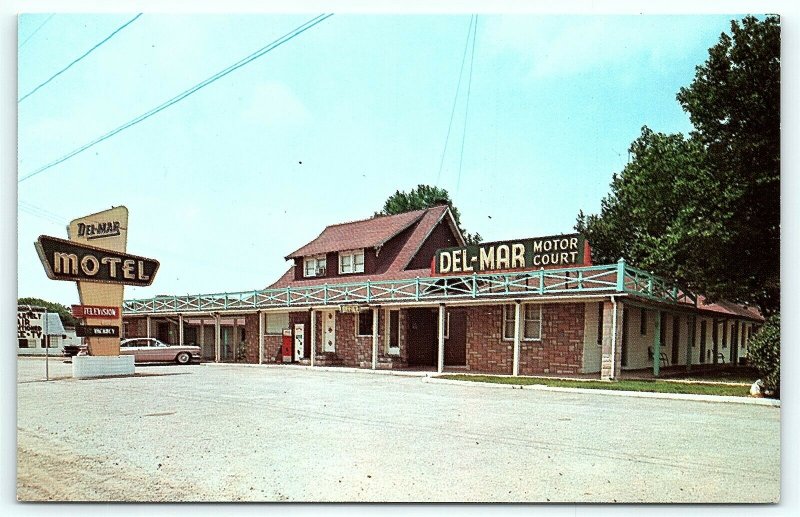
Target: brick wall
<point x="352" y="350"/>
<point x="486" y="350"/>
<point x="356" y="351"/>
<point x="559" y="351"/>
<point x="135" y="327"/>
<point x="272" y="344"/>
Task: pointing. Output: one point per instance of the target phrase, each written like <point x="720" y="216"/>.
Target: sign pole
<point x="46" y="347"/>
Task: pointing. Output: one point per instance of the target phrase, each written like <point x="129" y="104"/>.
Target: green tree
<point x="734" y="105"/>
<point x="705" y="209"/>
<point x="63" y="312"/>
<point x="765" y="353"/>
<point x="421" y="197"/>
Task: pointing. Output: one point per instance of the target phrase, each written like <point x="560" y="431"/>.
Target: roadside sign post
<point x="95" y="258"/>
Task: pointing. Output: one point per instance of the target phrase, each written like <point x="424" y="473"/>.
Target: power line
<point x="41" y="214"/>
<point x="34" y="32"/>
<point x="41" y="209"/>
<point x="455" y="99"/>
<point x="81" y="57"/>
<point x="466" y="109"/>
<point x="255" y="55"/>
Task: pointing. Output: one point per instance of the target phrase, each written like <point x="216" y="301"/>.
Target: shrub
<point x="765" y="353"/>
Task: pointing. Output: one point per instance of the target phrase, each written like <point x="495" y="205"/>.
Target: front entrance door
<point x="329" y="331"/>
<point x="455" y="347"/>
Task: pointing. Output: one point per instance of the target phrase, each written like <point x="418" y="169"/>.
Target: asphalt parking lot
<point x="266" y="433"/>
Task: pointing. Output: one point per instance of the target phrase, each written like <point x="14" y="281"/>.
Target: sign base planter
<point x="91" y="366"/>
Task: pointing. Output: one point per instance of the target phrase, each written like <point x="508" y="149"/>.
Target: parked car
<point x="148" y="350"/>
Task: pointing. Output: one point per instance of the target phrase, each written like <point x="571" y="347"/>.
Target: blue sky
<point x="224" y="184"/>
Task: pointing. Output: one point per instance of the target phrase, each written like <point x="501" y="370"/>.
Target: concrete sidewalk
<point x="431" y="377"/>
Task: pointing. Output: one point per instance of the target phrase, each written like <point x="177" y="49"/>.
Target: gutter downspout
<point x="613" y="337"/>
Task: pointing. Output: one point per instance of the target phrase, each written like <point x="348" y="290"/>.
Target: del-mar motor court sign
<point x="536" y="252"/>
<point x="67" y="260"/>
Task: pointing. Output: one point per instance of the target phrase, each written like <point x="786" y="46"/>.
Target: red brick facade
<point x="560" y="351"/>
<point x="486" y="350"/>
<point x="272" y="343"/>
<point x="356" y="351"/>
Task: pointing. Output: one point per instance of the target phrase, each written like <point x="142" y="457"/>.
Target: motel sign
<point x="533" y="253"/>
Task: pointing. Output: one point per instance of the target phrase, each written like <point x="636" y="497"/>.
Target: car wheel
<point x="183" y="358"/>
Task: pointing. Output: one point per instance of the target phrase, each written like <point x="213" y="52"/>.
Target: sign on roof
<point x="521" y="254"/>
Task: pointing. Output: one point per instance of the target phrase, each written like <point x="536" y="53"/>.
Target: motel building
<point x="405" y="292"/>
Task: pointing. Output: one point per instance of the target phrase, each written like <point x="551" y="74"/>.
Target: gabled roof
<point x="726" y="308"/>
<point x="366" y="233"/>
<point x="381" y="230"/>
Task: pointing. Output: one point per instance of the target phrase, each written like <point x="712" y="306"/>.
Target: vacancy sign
<point x="95" y="311"/>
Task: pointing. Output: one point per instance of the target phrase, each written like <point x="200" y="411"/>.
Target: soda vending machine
<point x="286" y="346"/>
<point x="299" y="340"/>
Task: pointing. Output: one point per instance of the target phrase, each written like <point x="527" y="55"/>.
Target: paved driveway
<point x="230" y="433"/>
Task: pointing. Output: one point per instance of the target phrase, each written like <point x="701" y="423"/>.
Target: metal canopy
<point x="601" y="279"/>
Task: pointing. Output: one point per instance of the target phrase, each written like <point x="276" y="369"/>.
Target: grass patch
<point x="656" y="386"/>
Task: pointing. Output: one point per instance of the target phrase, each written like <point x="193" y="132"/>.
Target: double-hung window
<point x="314" y="266"/>
<point x="531" y="324"/>
<point x="276" y="322"/>
<point x="351" y="261"/>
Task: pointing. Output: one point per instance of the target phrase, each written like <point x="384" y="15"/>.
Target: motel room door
<point x="328" y="331"/>
<point x="455" y="346"/>
<point x="421" y="336"/>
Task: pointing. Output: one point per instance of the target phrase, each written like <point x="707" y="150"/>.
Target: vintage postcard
<point x="385" y="257"/>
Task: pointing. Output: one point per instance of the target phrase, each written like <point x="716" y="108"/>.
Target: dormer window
<point x="351" y="261"/>
<point x="314" y="266"/>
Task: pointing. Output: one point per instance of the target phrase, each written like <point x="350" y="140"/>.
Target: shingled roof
<point x="366" y="233"/>
<point x="377" y="231"/>
<point x="726" y="308"/>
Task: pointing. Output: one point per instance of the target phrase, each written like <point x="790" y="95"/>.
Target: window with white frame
<point x="531" y="322"/>
<point x="364" y="323"/>
<point x="351" y="261"/>
<point x="314" y="266"/>
<point x="276" y="322"/>
<point x="393" y="332"/>
<point x="508" y="322"/>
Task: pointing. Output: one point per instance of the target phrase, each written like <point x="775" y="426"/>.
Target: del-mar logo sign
<point x="533" y="253"/>
<point x="98" y="230"/>
<point x="67" y="260"/>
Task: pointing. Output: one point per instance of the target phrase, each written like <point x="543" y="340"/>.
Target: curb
<point x="338" y="369"/>
<point x="617" y="393"/>
<point x="430" y="377"/>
